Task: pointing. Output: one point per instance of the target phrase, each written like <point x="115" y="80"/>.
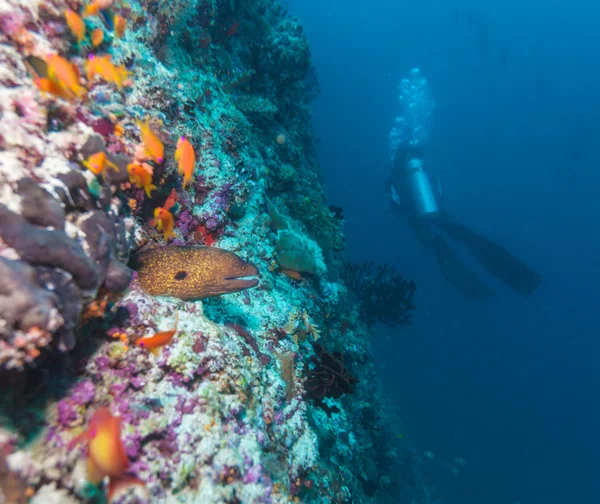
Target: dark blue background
<point x="510" y="384"/>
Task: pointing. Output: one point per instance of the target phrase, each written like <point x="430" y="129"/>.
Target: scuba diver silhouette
<point x="416" y="196"/>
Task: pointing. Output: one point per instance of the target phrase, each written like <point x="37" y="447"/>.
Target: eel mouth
<point x="241" y="282"/>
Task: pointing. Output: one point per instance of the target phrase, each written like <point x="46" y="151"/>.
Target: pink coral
<point x="12" y="23"/>
<point x="28" y="108"/>
<point x="83" y="393"/>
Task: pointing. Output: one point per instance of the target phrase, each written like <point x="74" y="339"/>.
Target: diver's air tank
<point x="422" y="194"/>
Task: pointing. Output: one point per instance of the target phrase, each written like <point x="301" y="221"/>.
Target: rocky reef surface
<point x="249" y="394"/>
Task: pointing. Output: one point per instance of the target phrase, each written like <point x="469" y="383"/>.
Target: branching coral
<point x="385" y="295"/>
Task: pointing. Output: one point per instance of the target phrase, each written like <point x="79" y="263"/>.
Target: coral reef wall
<point x="126" y="126"/>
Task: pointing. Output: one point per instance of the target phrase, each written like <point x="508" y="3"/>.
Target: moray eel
<point x="188" y="272"/>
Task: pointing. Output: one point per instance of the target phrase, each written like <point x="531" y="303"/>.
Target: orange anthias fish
<point x="153" y="146"/>
<point x="154" y="342"/>
<point x="97" y="37"/>
<point x="141" y="177"/>
<point x="102" y="66"/>
<point x="48" y="86"/>
<point x="90" y="10"/>
<point x="64" y="74"/>
<point x="171" y="200"/>
<point x="97" y="164"/>
<point x="75" y="24"/>
<point x="119" y="130"/>
<point x="164" y="222"/>
<point x="95" y="6"/>
<point x="120" y="25"/>
<point x="106" y="453"/>
<point x="292" y="274"/>
<point x="185" y="155"/>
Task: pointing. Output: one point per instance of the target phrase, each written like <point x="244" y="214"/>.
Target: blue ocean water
<point x="507" y="385"/>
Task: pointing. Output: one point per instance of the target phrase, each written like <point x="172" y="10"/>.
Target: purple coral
<point x="117" y="389"/>
<point x="83" y="393"/>
<point x="123" y="408"/>
<point x="133" y="445"/>
<point x="186" y="223"/>
<point x="176" y="379"/>
<point x="212" y="224"/>
<point x="102" y="363"/>
<point x="132" y="309"/>
<point x="186" y="407"/>
<point x="66" y="412"/>
<point x="137" y="382"/>
<point x="253" y="474"/>
<point x="199" y="344"/>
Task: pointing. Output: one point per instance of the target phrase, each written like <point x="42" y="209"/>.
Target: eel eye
<point x="244" y="267"/>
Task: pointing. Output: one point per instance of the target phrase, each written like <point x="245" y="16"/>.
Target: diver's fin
<point x="494" y="258"/>
<point x="455" y="273"/>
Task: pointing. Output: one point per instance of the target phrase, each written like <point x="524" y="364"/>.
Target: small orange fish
<point x="65" y="74"/>
<point x="152" y="144"/>
<point x="47" y="86"/>
<point x="141" y="177"/>
<point x="102" y="66"/>
<point x="97" y="37"/>
<point x="164" y="222"/>
<point x="90" y="10"/>
<point x="75" y="24"/>
<point x="97" y="164"/>
<point x="119" y="130"/>
<point x="106" y="453"/>
<point x="171" y="200"/>
<point x="90" y="68"/>
<point x="185" y="155"/>
<point x="95" y="6"/>
<point x="292" y="274"/>
<point x="120" y="25"/>
<point x="154" y="342"/>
